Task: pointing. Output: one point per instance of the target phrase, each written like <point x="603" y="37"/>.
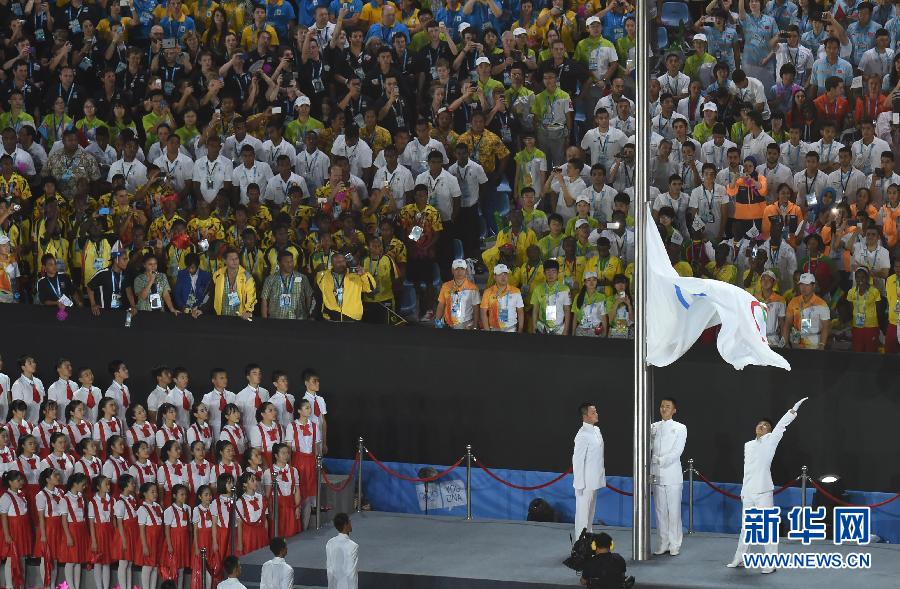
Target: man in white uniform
<point x="276" y="573"/>
<point x="342" y="556"/>
<point x="757" y="486"/>
<point x="587" y="469"/>
<point x="667" y="438"/>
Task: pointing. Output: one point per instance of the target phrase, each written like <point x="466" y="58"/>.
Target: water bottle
<point x="128" y="318"/>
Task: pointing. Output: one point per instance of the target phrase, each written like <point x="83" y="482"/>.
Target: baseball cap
<point x="710" y="106"/>
<point x="582" y="198"/>
<point x="463" y="26"/>
<point x="580" y="223"/>
<point x="770" y="274"/>
<point x="700" y="37"/>
<point x="807" y="278"/>
<point x="482" y="60"/>
<point x="501" y="269"/>
<point x="589" y="274"/>
<point x="591" y="20"/>
<point x="301" y="100"/>
<point x="4" y="240"/>
<point x="459" y="264"/>
<point x="519" y="31"/>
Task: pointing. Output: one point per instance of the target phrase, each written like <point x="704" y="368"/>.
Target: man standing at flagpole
<point x="757" y="489"/>
<point x="667" y="439"/>
<point x="587" y="469"/>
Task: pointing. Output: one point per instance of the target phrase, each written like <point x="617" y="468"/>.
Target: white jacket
<point x="342" y="560"/>
<point x="667" y="439"/>
<point x="758" y="455"/>
<point x="587" y="460"/>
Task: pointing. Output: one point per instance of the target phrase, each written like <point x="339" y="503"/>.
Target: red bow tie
<point x="147" y="470"/>
<point x="306" y="430"/>
<point x="62" y="463"/>
<point x="284" y="475"/>
<point x="177" y="469"/>
<point x="273" y="434"/>
<point x="23" y="431"/>
<point x="82" y="428"/>
<point x="201" y="469"/>
<point x="146" y="430"/>
<point x="254" y="503"/>
<point x="32" y="463"/>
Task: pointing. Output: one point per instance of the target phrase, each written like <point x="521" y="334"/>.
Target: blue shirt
<point x="614" y="25"/>
<point x="757" y="33"/>
<point x="280" y="17"/>
<point x="451" y="18"/>
<point x="720" y="44"/>
<point x="354" y="7"/>
<point x="143" y="18"/>
<point x="812" y="41"/>
<point x="822" y="70"/>
<point x="387" y="34"/>
<point x="784" y="13"/>
<point x="175" y="29"/>
<point x="307" y="14"/>
<point x="862" y="38"/>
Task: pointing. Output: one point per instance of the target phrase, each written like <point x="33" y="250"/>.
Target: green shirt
<point x="296" y="131"/>
<point x="551" y="247"/>
<point x="693" y="63"/>
<point x="186" y="135"/>
<point x="590" y="298"/>
<point x="150" y="122"/>
<point x="586" y="46"/>
<point x="550" y="108"/>
<point x="702" y="132"/>
<point x="8" y="120"/>
<point x="623" y="46"/>
<point x="546" y="295"/>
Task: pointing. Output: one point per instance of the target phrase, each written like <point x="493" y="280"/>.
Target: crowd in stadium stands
<point x="103" y="480"/>
<point x="467" y="164"/>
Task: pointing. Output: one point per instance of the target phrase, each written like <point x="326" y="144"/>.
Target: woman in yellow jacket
<point x="235" y="291"/>
<point x="342" y="291"/>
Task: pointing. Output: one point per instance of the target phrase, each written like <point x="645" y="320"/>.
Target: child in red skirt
<point x="225" y="461"/>
<point x="253" y="463"/>
<point x="139" y="429"/>
<point x="77" y="427"/>
<point x="167" y="428"/>
<point x="88" y="465"/>
<point x="171" y="472"/>
<point x="58" y="459"/>
<point x="108" y="425"/>
<point x="143" y="470"/>
<point x="49" y="527"/>
<point x="199" y="470"/>
<point x="17" y="530"/>
<point x="267" y="432"/>
<point x="222" y="509"/>
<point x="116" y="463"/>
<point x="47" y="426"/>
<point x="252" y="517"/>
<point x="303" y="435"/>
<point x="204" y="535"/>
<point x="282" y="484"/>
<point x="177" y="531"/>
<point x="102" y="528"/>
<point x="232" y="431"/>
<point x="200" y="429"/>
<point x="28" y="464"/>
<point x="72" y="548"/>
<point x="150" y="529"/>
<point x="127" y="542"/>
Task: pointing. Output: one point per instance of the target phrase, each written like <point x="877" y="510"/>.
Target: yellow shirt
<point x="94" y="258"/>
<point x="378" y="139"/>
<point x="16" y="186"/>
<point x="891" y="289"/>
<point x="254" y="262"/>
<point x="684" y="269"/>
<point x="521" y="241"/>
<point x="354" y="285"/>
<point x="606" y="269"/>
<point x="564" y="23"/>
<point x="727" y="273"/>
<point x="865" y="313"/>
<point x="251" y="33"/>
<point x="243" y="286"/>
<point x="384" y="270"/>
<point x="235" y="13"/>
<point x="572" y="273"/>
<point x="104" y="28"/>
<point x="372" y="14"/>
<point x="487" y="149"/>
<point x="209" y="229"/>
<point x="161" y="228"/>
<point x="272" y="258"/>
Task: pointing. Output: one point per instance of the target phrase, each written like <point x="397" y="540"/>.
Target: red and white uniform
<point x="287" y="481"/>
<point x="79" y="431"/>
<point x="72" y="509"/>
<point x="202" y="433"/>
<point x="62" y="463"/>
<point x="100" y="512"/>
<point x="215" y="401"/>
<point x="105" y="429"/>
<point x="62" y="391"/>
<point x="125" y="510"/>
<point x="7" y="457"/>
<point x="170" y="474"/>
<point x="91" y="399"/>
<point x="265" y="437"/>
<point x="115" y="467"/>
<point x="183" y="400"/>
<point x="122" y="395"/>
<point x="199" y="474"/>
<point x="178" y="520"/>
<point x="143" y="432"/>
<point x="42" y="432"/>
<point x="317" y="402"/>
<point x="284" y="407"/>
<point x="234" y="469"/>
<point x="32" y="392"/>
<point x="15" y="507"/>
<point x="143" y="473"/>
<point x="90" y="467"/>
<point x="28" y="466"/>
<point x="302" y="439"/>
<point x="17" y="430"/>
<point x="167" y="433"/>
<point x="252" y="512"/>
<point x="48" y="502"/>
<point x="221" y="509"/>
<point x="249" y="400"/>
<point x="257" y="472"/>
<point x="150" y="515"/>
<point x="202" y="519"/>
<point x="235" y="435"/>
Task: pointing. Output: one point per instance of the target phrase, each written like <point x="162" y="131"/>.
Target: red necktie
<point x="184" y="402"/>
<point x="257" y="402"/>
<point x="69" y="391"/>
<point x="288" y="406"/>
<point x="90" y="400"/>
<point x="36" y="393"/>
<point x="316" y="410"/>
<point x="125" y="401"/>
<point x="222" y="403"/>
<point x="146" y="430"/>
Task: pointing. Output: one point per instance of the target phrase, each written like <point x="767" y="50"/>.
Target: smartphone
<point x="168" y="43"/>
<point x="103" y="211"/>
<point x="613" y="225"/>
<point x="276" y="110"/>
<point x="123" y="3"/>
<point x="895" y="118"/>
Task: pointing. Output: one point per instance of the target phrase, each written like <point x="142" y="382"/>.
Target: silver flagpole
<point x="641" y="530"/>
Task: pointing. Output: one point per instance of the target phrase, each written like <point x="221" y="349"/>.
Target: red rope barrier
<point x="846" y="504"/>
<point x="342" y="486"/>
<point x="394" y="473"/>
<point x="786" y="486"/>
<point x="520" y="487"/>
<point x="619" y="491"/>
<point x="712" y="486"/>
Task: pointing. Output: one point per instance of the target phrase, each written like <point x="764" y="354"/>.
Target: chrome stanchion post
<point x="359" y="492"/>
<point x="203" y="567"/>
<point x="318" y="491"/>
<point x="803" y="478"/>
<point x="275" y="495"/>
<point x="691" y="496"/>
<point x="468" y="481"/>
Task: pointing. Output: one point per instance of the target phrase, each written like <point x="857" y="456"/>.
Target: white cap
<point x="482" y="60"/>
<point x="591" y="20"/>
<point x="463" y="26"/>
<point x="4" y="240"/>
<point x="519" y="31"/>
<point x="710" y="106"/>
<point x="459" y="264"/>
<point x="301" y="100"/>
<point x="589" y="274"/>
<point x="582" y="198"/>
<point x="700" y="37"/>
<point x="501" y="269"/>
<point x="770" y="274"/>
<point x="581" y="223"/>
<point x="807" y="278"/>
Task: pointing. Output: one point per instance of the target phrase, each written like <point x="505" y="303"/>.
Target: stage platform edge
<point x="400" y="551"/>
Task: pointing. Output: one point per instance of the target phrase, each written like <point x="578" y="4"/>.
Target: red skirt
<point x="21" y="532"/>
<point x="107" y="536"/>
<point x="213" y="558"/>
<point x="306" y="466"/>
<point x="132" y="541"/>
<point x="222" y="537"/>
<point x="53" y="528"/>
<point x="154" y="542"/>
<point x="254" y="537"/>
<point x="79" y="551"/>
<point x="31" y="492"/>
<point x="288" y="523"/>
<point x="181" y="546"/>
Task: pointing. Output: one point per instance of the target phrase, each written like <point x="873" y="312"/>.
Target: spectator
<point x="234" y="292"/>
<point x="807" y="320"/>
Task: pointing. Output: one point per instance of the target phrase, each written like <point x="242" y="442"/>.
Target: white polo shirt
<point x="178" y="172"/>
<point x="277" y="188"/>
<point x="232" y="147"/>
<point x="400" y="181"/>
<point x="603" y="146"/>
<point x="360" y="155"/>
<point x="134" y="171"/>
<point x="271" y="153"/>
<point x="601" y="201"/>
<point x="259" y="174"/>
<point x="441" y="191"/>
<point x="417" y="154"/>
<point x="868" y="157"/>
<point x="470" y="178"/>
<point x="211" y="176"/>
<point x="313" y="167"/>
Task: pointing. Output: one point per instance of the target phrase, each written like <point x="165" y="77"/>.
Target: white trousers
<point x="667" y="503"/>
<point x="757" y="500"/>
<point x="585" y="505"/>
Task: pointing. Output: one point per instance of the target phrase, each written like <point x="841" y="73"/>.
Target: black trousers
<point x="445" y="250"/>
<point x="468" y="230"/>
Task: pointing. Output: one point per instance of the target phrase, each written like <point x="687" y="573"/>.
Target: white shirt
<point x="178" y="171"/>
<point x="313" y="167"/>
<point x="804" y="184"/>
<point x="620" y="246"/>
<point x="755" y="94"/>
<point x="259" y="174"/>
<point x="847" y="183"/>
<point x="285" y="405"/>
<point x="667" y="439"/>
<point x="794" y="156"/>
<point x="417" y="154"/>
<point x="177" y="397"/>
<point x="211" y="176"/>
<point x="230" y="583"/>
<point x="342" y="562"/>
<point x="360" y="155"/>
<point x="576" y="187"/>
<point x="212" y="401"/>
<point x="588" y="472"/>
<point x="441" y="191"/>
<point x="104" y="157"/>
<point x="828" y="152"/>
<point x="708" y="204"/>
<point x="758" y="455"/>
<point x="868" y="157"/>
<point x="57" y="392"/>
<point x="232" y="147"/>
<point x="874" y="63"/>
<point x="601" y="201"/>
<point x="23" y="163"/>
<point x="400" y="181"/>
<point x="879" y="194"/>
<point x="276" y="574"/>
<point x="134" y="171"/>
<point x="470" y="178"/>
<point x="800" y="57"/>
<point x="679" y="203"/>
<point x="271" y="153"/>
<point x="710" y="153"/>
<point x="603" y="146"/>
<point x="119" y="392"/>
<point x="246" y="401"/>
<point x="316" y="400"/>
<point x="23" y="390"/>
<point x="756" y="146"/>
<point x="775" y="177"/>
<point x="674" y="85"/>
<point x="277" y="188"/>
<point x="600" y="58"/>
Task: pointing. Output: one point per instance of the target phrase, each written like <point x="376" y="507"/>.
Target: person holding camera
<point x="342" y="290"/>
<point x="151" y="289"/>
<point x="605" y="569"/>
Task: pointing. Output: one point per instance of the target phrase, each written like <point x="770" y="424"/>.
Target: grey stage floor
<point x="403" y="551"/>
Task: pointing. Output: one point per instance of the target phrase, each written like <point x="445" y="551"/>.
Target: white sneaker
<point x="736" y="564"/>
<point x="674" y="551"/>
<point x="767" y="571"/>
<point x="661" y="550"/>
